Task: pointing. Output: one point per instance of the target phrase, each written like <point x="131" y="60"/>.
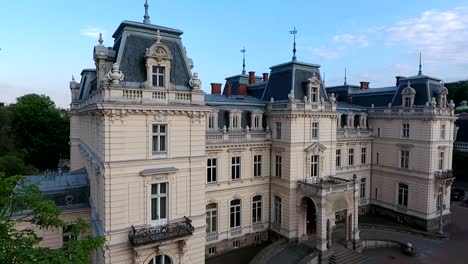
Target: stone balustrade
<point x="352" y="133"/>
<point x="142" y="96"/>
<point x="216" y="137"/>
<point x="461" y="146"/>
<point x="322" y="188"/>
<point x="416" y="110"/>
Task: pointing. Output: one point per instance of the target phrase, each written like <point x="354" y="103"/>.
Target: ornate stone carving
<point x="333" y="98"/>
<point x="195" y="82"/>
<point x="115" y="75"/>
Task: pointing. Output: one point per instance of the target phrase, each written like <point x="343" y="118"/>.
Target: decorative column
<point x="338" y="122"/>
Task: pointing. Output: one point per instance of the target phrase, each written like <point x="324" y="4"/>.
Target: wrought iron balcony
<point x="443" y="175"/>
<point x="154" y="234"/>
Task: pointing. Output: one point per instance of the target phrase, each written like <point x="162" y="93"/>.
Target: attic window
<point x="158" y="76"/>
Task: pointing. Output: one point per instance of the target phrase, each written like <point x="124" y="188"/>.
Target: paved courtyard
<point x="454" y="250"/>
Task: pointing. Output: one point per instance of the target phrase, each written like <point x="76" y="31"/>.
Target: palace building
<point x="177" y="176"/>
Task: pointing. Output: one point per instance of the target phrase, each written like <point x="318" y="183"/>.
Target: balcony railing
<point x="416" y="110"/>
<point x="461" y="146"/>
<point x="347" y="133"/>
<point x="148" y="235"/>
<point x="237" y="136"/>
<point x="443" y="175"/>
<point x="322" y="188"/>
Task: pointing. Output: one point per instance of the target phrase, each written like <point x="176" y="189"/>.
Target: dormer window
<point x="158" y="76"/>
<point x="312" y="86"/>
<point x="256" y="120"/>
<point x="408" y="95"/>
<point x="314" y="95"/>
<point x="213" y="121"/>
<point x="158" y="64"/>
<point x="235" y="120"/>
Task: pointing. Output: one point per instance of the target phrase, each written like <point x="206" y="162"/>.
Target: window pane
<point x="162" y="129"/>
<point x="163" y="208"/>
<point x="154" y="209"/>
<point x="154" y="188"/>
<point x="155" y="143"/>
<point x="214" y="227"/>
<point x="162" y="188"/>
<point x="163" y="143"/>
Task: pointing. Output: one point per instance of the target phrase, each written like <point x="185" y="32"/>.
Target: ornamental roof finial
<point x="420" y="64"/>
<point x="146" y="17"/>
<point x="345" y="79"/>
<point x="294" y="32"/>
<point x="158" y="36"/>
<point x="243" y="60"/>
<point x="100" y="40"/>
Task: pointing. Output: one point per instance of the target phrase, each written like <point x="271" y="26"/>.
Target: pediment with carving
<point x="316" y="148"/>
<point x="159" y="52"/>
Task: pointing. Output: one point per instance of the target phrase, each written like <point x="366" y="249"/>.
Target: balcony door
<point x="159" y="203"/>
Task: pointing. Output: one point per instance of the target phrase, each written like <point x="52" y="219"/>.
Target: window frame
<point x="278" y="129"/>
<point x="235" y="213"/>
<point x="405" y="130"/>
<point x="277" y="210"/>
<point x="314" y="166"/>
<point x="315" y="130"/>
<point x="351" y="157"/>
<point x="278" y="165"/>
<point x="158" y="221"/>
<point x="158" y="135"/>
<point x="441" y="163"/>
<point x="362" y="190"/>
<point x="211" y="169"/>
<point x="257" y="209"/>
<point x="212" y="218"/>
<point x="257" y="165"/>
<point x="160" y="76"/>
<point x="404" y="159"/>
<point x="235" y="168"/>
<point x="403" y="194"/>
<point x="338" y="158"/>
<point x="443" y="129"/>
<point x="364" y="155"/>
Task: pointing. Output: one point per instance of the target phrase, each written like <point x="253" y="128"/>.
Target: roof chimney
<point x="364" y="85"/>
<point x="216" y="88"/>
<point x="398" y="79"/>
<point x="228" y="90"/>
<point x="265" y="76"/>
<point x="251" y="77"/>
<point x="242" y="89"/>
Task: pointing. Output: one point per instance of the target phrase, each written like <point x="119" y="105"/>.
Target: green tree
<point x="13" y="164"/>
<point x="22" y="201"/>
<point x="6" y="136"/>
<point x="41" y="132"/>
<point x="457" y="91"/>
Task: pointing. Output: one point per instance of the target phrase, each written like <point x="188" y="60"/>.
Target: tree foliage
<point x="41" y="132"/>
<point x="22" y="201"/>
<point x="457" y="91"/>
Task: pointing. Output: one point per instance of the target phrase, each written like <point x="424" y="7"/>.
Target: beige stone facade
<point x="176" y="174"/>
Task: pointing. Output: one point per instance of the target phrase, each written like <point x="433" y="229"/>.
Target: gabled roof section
<point x="291" y="76"/>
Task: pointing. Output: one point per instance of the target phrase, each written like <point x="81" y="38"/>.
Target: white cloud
<point x="440" y="35"/>
<point x="326" y="54"/>
<point x="92" y="32"/>
<point x="351" y="40"/>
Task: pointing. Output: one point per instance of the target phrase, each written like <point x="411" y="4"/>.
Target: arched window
<point x="160" y="259"/>
<point x="211" y="218"/>
<point x="235" y="213"/>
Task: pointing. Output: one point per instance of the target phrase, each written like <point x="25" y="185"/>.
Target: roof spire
<point x="420" y="64"/>
<point x="146" y="17"/>
<point x="294" y="32"/>
<point x="100" y="39"/>
<point x="243" y="60"/>
<point x="345" y="79"/>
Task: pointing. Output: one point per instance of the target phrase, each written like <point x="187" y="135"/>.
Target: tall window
<point x="159" y="203"/>
<point x="403" y="194"/>
<point x="363" y="155"/>
<point x="159" y="138"/>
<point x="378" y="131"/>
<point x="211" y="121"/>
<point x="235" y="168"/>
<point x="211" y="170"/>
<point x="257" y="209"/>
<point x="404" y="159"/>
<point x="407" y="101"/>
<point x="212" y="218"/>
<point x="405" y="132"/>
<point x="235" y="213"/>
<point x="338" y="157"/>
<point x="256" y="122"/>
<point x="278" y="130"/>
<point x="161" y="259"/>
<point x="440" y="198"/>
<point x="314" y="166"/>
<point x="315" y="126"/>
<point x="377" y="158"/>
<point x="257" y="165"/>
<point x="442" y="132"/>
<point x="351" y="157"/>
<point x="277" y="210"/>
<point x="235" y="122"/>
<point x="158" y="76"/>
<point x="362" y="192"/>
<point x="313" y="94"/>
<point x="278" y="166"/>
<point x="441" y="160"/>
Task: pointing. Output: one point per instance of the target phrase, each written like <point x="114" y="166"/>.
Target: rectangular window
<point x="236" y="244"/>
<point x="235" y="213"/>
<point x="256" y="122"/>
<point x="211" y="250"/>
<point x="338" y="157"/>
<point x="278" y="166"/>
<point x="211" y="218"/>
<point x="440" y="198"/>
<point x="362" y="192"/>
<point x="315" y="126"/>
<point x="67" y="234"/>
<point x="278" y="130"/>
<point x="211" y="122"/>
<point x="363" y="155"/>
<point x="158" y="76"/>
<point x="405" y="132"/>
<point x="403" y="194"/>
<point x="314" y="166"/>
<point x="159" y="138"/>
<point x="378" y="131"/>
<point x="441" y="160"/>
<point x="257" y="209"/>
<point x="235" y="122"/>
<point x="159" y="203"/>
<point x="404" y="159"/>
<point x="351" y="157"/>
<point x="313" y="95"/>
<point x="277" y="210"/>
<point x="407" y="101"/>
<point x="235" y="168"/>
<point x="377" y="158"/>
<point x="211" y="170"/>
<point x="442" y="132"/>
<point x="257" y="165"/>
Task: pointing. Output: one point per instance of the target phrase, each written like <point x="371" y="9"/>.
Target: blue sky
<point x="44" y="43"/>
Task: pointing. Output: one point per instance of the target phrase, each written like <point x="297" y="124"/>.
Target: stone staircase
<point x="342" y="255"/>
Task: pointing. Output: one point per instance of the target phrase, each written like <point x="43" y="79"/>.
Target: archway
<point x="311" y="216"/>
